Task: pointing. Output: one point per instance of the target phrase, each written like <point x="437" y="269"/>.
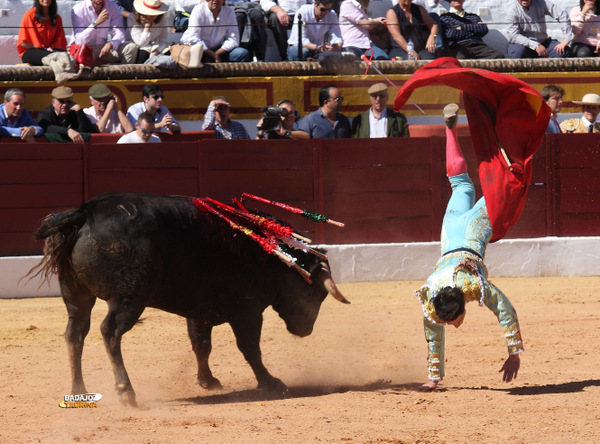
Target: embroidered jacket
<point x="467" y="271"/>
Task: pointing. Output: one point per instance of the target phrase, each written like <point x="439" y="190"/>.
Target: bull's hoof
<point x="127" y="397"/>
<point x="210" y="384"/>
<point x="274" y="385"/>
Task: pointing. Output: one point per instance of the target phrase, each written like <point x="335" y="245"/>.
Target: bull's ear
<point x="330" y="284"/>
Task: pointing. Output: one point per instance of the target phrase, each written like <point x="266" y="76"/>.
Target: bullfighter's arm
<point x="499" y="304"/>
<point x="435" y="336"/>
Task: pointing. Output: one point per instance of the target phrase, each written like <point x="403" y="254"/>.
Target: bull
<point x="140" y="250"/>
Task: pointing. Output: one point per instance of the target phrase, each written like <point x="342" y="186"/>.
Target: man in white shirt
<point x="319" y="19"/>
<point x="152" y="102"/>
<point x="144" y="131"/>
<point x="94" y="22"/>
<point x="213" y="24"/>
<point x="105" y="111"/>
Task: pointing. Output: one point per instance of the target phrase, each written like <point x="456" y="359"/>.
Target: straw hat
<point x="150" y="7"/>
<point x="588" y="99"/>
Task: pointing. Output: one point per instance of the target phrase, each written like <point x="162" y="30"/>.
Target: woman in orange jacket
<point x="41" y="33"/>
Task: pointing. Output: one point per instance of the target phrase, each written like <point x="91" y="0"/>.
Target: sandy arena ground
<point x="349" y="381"/>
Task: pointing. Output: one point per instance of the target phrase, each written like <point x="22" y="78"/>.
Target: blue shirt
<point x="13" y="129"/>
<point x="317" y="126"/>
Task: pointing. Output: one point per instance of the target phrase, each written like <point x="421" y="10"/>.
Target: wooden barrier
<point x="385" y="190"/>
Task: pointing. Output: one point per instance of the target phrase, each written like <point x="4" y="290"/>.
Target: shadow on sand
<point x="257" y="395"/>
<point x="548" y="389"/>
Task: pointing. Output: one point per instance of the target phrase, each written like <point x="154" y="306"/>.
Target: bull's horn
<point x="332" y="288"/>
<point x="330" y="285"/>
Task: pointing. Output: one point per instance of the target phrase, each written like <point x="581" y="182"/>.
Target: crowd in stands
<point x="65" y="121"/>
<point x="135" y="31"/>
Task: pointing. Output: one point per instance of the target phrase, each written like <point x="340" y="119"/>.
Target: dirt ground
<point x="349" y="381"/>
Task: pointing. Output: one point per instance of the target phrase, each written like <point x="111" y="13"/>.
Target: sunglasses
<point x="322" y="9"/>
<point x="337" y="99"/>
<point x="64" y="101"/>
<point x="160" y="96"/>
<point x="381" y="96"/>
<point x="145" y="131"/>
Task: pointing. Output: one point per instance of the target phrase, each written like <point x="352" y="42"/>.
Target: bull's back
<point x="160" y="250"/>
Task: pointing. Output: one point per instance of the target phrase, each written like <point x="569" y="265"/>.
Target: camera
<point x="272" y="118"/>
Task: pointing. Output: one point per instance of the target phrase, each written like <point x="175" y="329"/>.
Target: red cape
<point x="502" y="112"/>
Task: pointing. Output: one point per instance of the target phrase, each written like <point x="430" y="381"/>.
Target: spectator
<point x="105" y="111"/>
<point x="585" y="20"/>
<point x="407" y="22"/>
<point x="429" y="7"/>
<point x="288" y="128"/>
<point x="15" y="121"/>
<point x="146" y="31"/>
<point x="152" y="101"/>
<point x="214" y="25"/>
<point x="183" y="9"/>
<point x="41" y="33"/>
<point x="145" y="131"/>
<point x="327" y="122"/>
<point x="553" y="95"/>
<point x="319" y="20"/>
<point x="126" y="8"/>
<point x="279" y="18"/>
<point x="217" y="119"/>
<point x="590" y="105"/>
<point x="379" y="121"/>
<point x="527" y="37"/>
<point x="355" y="25"/>
<point x="64" y="120"/>
<point x="98" y="23"/>
<point x="463" y="32"/>
<point x="251" y="27"/>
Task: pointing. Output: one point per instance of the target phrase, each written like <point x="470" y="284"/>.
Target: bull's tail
<point x="60" y="231"/>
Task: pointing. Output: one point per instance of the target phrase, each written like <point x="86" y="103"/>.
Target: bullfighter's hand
<point x="511" y="368"/>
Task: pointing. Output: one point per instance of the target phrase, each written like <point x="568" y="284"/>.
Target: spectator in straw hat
<point x="379" y="120"/>
<point x="146" y="31"/>
<point x="105" y="112"/>
<point x="64" y="120"/>
<point x="590" y="105"/>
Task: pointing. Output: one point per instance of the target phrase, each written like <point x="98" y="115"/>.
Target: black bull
<point x="136" y="251"/>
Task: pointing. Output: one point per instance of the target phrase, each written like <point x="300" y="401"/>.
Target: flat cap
<point x="62" y="92"/>
<point x="378" y="88"/>
<point x="99" y="91"/>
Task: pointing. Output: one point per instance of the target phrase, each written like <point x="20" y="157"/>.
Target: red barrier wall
<point x="385" y="190"/>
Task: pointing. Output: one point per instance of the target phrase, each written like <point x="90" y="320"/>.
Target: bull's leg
<point x="247" y="334"/>
<point x="120" y="319"/>
<point x="200" y="335"/>
<point x="78" y="326"/>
